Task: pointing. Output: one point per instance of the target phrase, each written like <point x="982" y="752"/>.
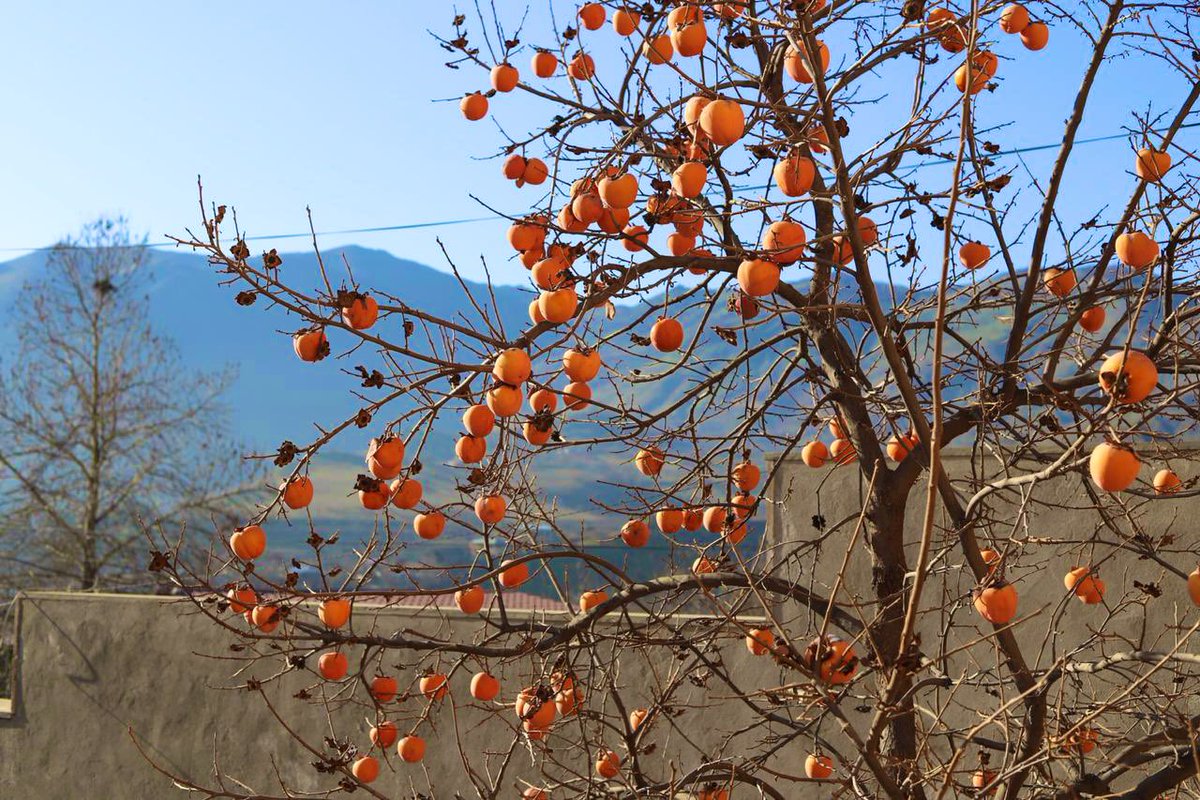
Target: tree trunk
<point x="884" y="528"/>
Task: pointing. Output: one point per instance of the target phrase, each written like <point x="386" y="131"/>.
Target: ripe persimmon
<point x="757" y="277"/>
<point x="974" y="255"/>
<point x="1129" y="377"/>
<point x="470" y="449"/>
<point x="474" y="106"/>
<point x="1137" y="250"/>
<point x="794" y="175"/>
<point x="649" y="461"/>
<point x="241" y="599"/>
<point x="469" y="600"/>
<point x="723" y="121"/>
<point x="384" y="688"/>
<point x="1035" y="36"/>
<point x="997" y="603"/>
<point x="513" y="575"/>
<point x="783" y="241"/>
<point x="799" y="64"/>
<point x="406" y="492"/>
<point x="760" y="641"/>
<point x="484" y="687"/>
<point x="818" y="767"/>
<point x="504" y="400"/>
<point x="1059" y="282"/>
<point x="625" y="21"/>
<point x="429" y="525"/>
<point x="666" y="335"/>
<point x="544" y="64"/>
<point x="815" y="453"/>
<point x="592" y="15"/>
<point x="635" y="533"/>
<point x="411" y="749"/>
<point x="1092" y="319"/>
<point x="1151" y="165"/>
<point x="490" y="508"/>
<point x="608" y="764"/>
<point x="1085" y="584"/>
<point x="265" y="618"/>
<point x="1166" y="482"/>
<point x="373" y="494"/>
<point x="249" y="542"/>
<point x="297" y="492"/>
<point x="334" y="612"/>
<point x="1113" y="467"/>
<point x="577" y="395"/>
<point x="581" y="364"/>
<point x="365" y="769"/>
<point x="333" y="666"/>
<point x="669" y="520"/>
<point x="361" y="313"/>
<point x="384" y="734"/>
<point x="433" y="685"/>
<point x="311" y="344"/>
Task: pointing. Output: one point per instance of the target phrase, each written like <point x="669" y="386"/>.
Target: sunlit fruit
<point x="1092" y="319"/>
<point x="469" y="600"/>
<point x="818" y="767"/>
<point x="513" y="575"/>
<point x="635" y="533"/>
<point x="974" y="255"/>
<point x="384" y="734"/>
<point x="474" y="106"/>
<point x="760" y="641"/>
<point x="334" y="612"/>
<point x="504" y="78"/>
<point x="1151" y="165"/>
<point x="1035" y="36"/>
<point x="490" y="508"/>
<point x="1166" y="482"/>
<point x="1137" y="250"/>
<point x="1113" y="467"/>
<point x="411" y="749"/>
<point x="333" y="666"/>
<point x="666" y="335"/>
<point x="1086" y="586"/>
<point x="298" y="492"/>
<point x="814" y="454"/>
<point x="997" y="603"/>
<point x="406" y="492"/>
<point x="799" y="64"/>
<point x="249" y="542"/>
<point x="429" y="525"/>
<point x="1059" y="282"/>
<point x="1129" y="377"/>
<point x="365" y="769"/>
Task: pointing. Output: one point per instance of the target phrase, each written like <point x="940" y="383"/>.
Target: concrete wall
<point x="92" y="667"/>
<point x="1045" y="531"/>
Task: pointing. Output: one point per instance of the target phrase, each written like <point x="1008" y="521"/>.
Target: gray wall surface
<point x="92" y="667"/>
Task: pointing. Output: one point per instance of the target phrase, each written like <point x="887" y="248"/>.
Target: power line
<point x="302" y="235"/>
<point x="447" y="222"/>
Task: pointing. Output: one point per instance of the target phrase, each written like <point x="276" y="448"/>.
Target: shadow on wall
<point x="95" y="668"/>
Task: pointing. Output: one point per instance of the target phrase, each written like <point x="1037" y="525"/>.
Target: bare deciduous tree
<point x="102" y="428"/>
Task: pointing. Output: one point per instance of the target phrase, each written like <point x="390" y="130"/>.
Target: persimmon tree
<point x="710" y="227"/>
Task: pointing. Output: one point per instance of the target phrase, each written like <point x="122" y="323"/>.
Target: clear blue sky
<point x="116" y="107"/>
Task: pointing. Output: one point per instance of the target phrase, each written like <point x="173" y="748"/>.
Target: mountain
<point x="275" y="396"/>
